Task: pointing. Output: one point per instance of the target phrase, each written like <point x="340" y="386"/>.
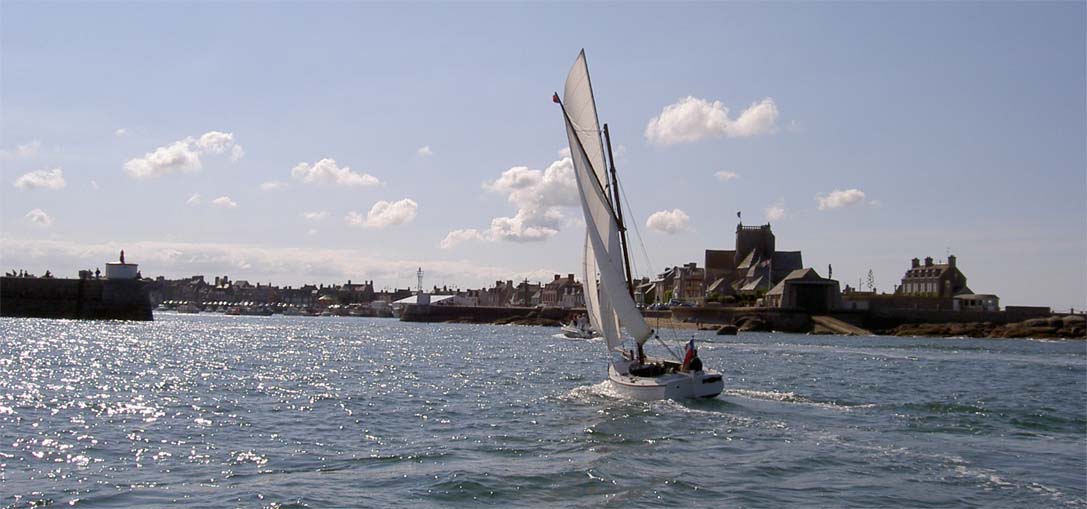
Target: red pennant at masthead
<point x="555" y="98"/>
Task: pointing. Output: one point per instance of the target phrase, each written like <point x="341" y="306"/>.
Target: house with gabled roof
<point x="805" y="289"/>
<point x="933" y="279"/>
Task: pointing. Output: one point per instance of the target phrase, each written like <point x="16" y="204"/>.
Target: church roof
<point x="790" y="260"/>
<point x="752" y="285"/>
<point x="751" y="259"/>
<point x="717" y="285"/>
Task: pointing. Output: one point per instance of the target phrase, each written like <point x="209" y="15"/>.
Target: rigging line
<point x="666" y="347"/>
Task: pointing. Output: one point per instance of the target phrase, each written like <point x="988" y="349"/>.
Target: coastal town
<point x="753" y="286"/>
<point x="753" y="274"/>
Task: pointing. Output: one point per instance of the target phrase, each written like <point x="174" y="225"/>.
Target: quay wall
<point x="91" y="299"/>
<point x="785" y="320"/>
<point x="482" y="314"/>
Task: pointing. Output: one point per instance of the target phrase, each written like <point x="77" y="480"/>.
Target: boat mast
<point x="622" y="229"/>
<point x="619" y="214"/>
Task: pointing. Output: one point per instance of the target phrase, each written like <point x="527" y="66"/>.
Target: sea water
<point x="214" y="411"/>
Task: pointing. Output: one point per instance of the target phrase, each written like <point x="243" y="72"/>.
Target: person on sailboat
<point x="696" y="364"/>
<point x="691" y="362"/>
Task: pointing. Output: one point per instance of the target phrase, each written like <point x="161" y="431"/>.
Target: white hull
<point x="682" y="385"/>
<point x="573" y="332"/>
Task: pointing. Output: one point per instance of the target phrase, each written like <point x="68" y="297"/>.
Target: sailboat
<point x="579" y="328"/>
<point x="609" y="295"/>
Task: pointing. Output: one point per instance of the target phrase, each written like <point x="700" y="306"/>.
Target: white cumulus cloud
<point x="326" y="171"/>
<point x="540" y="197"/>
<point x="193" y="200"/>
<point x="314" y="215"/>
<point x="182" y="156"/>
<point x="725" y="176"/>
<point x="776" y="211"/>
<point x="39" y="217"/>
<point x="692" y="119"/>
<point x="839" y="198"/>
<point x="120" y="132"/>
<point x="669" y="221"/>
<point x="384" y="214"/>
<point x="457" y="236"/>
<point x="215" y="142"/>
<point x="424" y="151"/>
<point x="42" y="179"/>
<point x="225" y="202"/>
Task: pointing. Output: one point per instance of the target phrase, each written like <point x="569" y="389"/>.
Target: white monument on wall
<point x="122" y="270"/>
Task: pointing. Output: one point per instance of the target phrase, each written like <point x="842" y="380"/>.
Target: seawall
<point x="89" y="299"/>
<point x="480" y="314"/>
<point x="785" y="320"/>
<point x="890" y="318"/>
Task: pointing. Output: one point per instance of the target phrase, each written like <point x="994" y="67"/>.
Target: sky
<point x="321" y="142"/>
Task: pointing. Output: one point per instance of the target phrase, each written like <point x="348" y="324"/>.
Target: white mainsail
<point x="609" y="302"/>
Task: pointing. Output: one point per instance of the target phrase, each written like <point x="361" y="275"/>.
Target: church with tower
<point x="755" y="264"/>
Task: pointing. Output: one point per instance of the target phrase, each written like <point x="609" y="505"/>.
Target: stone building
<point x="526" y="294"/>
<point x="755" y="264"/>
<point x="498" y="296"/>
<point x="933" y="280"/>
<point x="685" y="283"/>
<point x="644" y="292"/>
<point x="573" y="297"/>
<point x="551" y="295"/>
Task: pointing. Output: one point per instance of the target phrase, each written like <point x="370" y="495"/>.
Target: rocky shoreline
<point x="1055" y="327"/>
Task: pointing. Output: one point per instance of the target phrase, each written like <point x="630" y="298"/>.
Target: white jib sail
<point x="609" y="303"/>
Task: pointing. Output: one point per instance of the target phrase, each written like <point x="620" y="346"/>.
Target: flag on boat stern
<point x="690" y="354"/>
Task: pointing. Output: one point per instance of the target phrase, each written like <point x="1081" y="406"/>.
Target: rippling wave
<point x="210" y="411"/>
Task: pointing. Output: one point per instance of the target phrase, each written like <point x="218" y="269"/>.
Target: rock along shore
<point x="1054" y="327"/>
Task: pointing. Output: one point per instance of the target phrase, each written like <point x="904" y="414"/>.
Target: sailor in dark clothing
<point x="695" y="365"/>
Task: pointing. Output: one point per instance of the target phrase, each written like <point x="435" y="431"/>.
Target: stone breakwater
<point x="86" y="299"/>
